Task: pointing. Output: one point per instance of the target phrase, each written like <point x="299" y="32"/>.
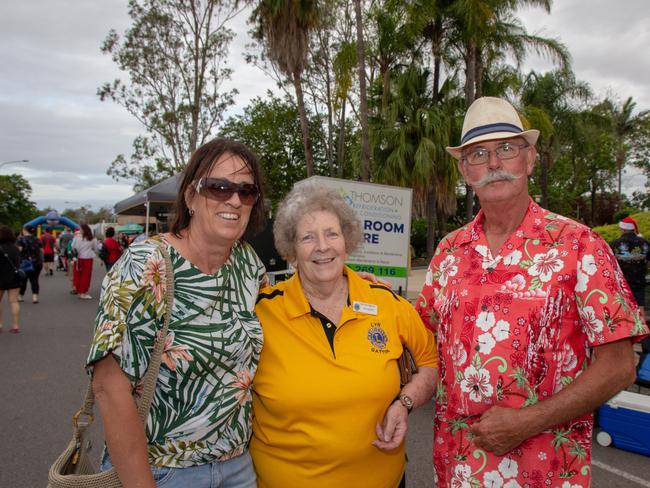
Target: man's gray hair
<point x="305" y="198"/>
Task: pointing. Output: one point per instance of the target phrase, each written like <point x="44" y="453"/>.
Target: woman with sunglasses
<point x="200" y="419"/>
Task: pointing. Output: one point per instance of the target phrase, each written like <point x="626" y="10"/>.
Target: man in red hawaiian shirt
<point x="533" y="319"/>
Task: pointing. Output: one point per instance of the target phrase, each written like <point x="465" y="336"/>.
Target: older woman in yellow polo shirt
<point x="328" y="409"/>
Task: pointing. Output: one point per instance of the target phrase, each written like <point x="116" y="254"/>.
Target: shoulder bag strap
<point x="151" y="375"/>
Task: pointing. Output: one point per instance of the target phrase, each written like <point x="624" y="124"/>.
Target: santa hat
<point x="628" y="223"/>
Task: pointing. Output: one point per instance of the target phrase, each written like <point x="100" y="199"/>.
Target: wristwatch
<point x="407" y="401"/>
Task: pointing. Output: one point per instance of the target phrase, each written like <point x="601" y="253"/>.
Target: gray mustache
<point x="496" y="175"/>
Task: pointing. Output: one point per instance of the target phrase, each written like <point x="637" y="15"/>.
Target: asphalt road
<point x="42" y="381"/>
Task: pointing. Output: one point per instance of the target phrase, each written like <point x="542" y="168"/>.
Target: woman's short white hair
<point x="305" y="198"/>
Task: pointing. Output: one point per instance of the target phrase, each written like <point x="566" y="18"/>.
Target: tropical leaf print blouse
<point x="514" y="329"/>
<point x="201" y="410"/>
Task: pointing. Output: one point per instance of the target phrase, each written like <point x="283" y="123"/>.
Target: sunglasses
<point x="222" y="190"/>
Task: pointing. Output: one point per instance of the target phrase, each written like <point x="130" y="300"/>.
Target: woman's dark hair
<point x="30" y="228"/>
<point x="6" y="234"/>
<point x="200" y="165"/>
<point x="110" y="232"/>
<point x="86" y="233"/>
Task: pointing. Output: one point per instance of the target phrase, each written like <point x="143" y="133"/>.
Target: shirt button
<point x="477" y="347"/>
<point x="328" y="325"/>
<point x="490" y="269"/>
<point x="484" y="307"/>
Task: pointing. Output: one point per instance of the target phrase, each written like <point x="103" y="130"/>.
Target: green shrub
<point x="611" y="232"/>
<point x="419" y="237"/>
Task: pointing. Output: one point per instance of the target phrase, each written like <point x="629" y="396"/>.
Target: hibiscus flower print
<point x="461" y="477"/>
<point x="485" y="321"/>
<point x="586" y="267"/>
<point x="172" y="355"/>
<point x="544" y="265"/>
<point x="591" y="324"/>
<point x="492" y="479"/>
<point x="153" y="276"/>
<point x="476" y="382"/>
<point x="447" y="268"/>
<point x="508" y="468"/>
<point x="513" y="258"/>
<point x="243" y="384"/>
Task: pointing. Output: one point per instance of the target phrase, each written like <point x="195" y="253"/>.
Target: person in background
<point x="10" y="282"/>
<point x="62" y="247"/>
<point x="199" y="422"/>
<point x="328" y="408"/>
<point x="533" y="319"/>
<point x="123" y="239"/>
<point x="113" y="247"/>
<point x="30" y="249"/>
<point x="48" y="244"/>
<point x="633" y="255"/>
<point x="86" y="248"/>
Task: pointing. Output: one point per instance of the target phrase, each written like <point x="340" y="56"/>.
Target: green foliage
<point x="86" y="215"/>
<point x="173" y="55"/>
<point x="624" y="212"/>
<point x="611" y="232"/>
<point x="271" y="128"/>
<point x="419" y="237"/>
<point x="15" y="206"/>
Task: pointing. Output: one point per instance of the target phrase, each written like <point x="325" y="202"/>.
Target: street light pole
<point x="16" y="161"/>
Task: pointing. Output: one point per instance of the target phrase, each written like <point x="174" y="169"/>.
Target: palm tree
<point x="487" y="29"/>
<point x="284" y="26"/>
<point x="549" y="103"/>
<point x="363" y="97"/>
<point x="409" y="138"/>
<point x="624" y="125"/>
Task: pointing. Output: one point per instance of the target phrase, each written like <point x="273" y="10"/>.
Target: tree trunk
<point x="470" y="93"/>
<point x="594" y="187"/>
<point x="363" y="100"/>
<point x="330" y="127"/>
<point x="478" y="80"/>
<point x="431" y="221"/>
<point x="620" y="160"/>
<point x="544" y="165"/>
<point x="340" y="156"/>
<point x="304" y="124"/>
<point x="436" y="48"/>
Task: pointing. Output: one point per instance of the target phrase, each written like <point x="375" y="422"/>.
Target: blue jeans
<point x="237" y="472"/>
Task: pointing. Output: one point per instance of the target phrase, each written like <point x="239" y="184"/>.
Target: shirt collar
<point x="531" y="227"/>
<point x="297" y="304"/>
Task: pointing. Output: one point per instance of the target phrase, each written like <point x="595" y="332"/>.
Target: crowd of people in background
<point x="27" y="257"/>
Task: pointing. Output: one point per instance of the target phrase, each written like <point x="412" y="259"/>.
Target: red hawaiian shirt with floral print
<point x="513" y="329"/>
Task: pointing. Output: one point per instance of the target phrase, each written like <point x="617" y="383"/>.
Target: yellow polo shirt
<point x="315" y="405"/>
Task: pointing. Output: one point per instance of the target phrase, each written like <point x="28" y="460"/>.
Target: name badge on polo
<point x="367" y="308"/>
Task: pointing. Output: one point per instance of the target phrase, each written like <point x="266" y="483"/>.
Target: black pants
<point x="33" y="280"/>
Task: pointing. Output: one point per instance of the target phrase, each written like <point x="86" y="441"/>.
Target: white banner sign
<point x="385" y="213"/>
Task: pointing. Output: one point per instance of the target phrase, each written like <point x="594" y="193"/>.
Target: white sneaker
<point x="85" y="296"/>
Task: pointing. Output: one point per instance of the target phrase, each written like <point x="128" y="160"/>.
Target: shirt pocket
<point x="535" y="352"/>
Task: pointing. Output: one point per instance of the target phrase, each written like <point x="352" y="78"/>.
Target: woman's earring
<point x="191" y="212"/>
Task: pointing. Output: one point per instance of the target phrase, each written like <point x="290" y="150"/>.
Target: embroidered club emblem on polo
<point x="378" y="338"/>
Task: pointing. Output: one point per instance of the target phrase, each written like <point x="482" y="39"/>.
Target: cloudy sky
<point x="52" y="66"/>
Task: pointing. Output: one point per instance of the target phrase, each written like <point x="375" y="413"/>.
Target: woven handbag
<point x="73" y="468"/>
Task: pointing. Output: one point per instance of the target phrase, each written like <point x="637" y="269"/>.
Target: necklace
<point x="342" y="291"/>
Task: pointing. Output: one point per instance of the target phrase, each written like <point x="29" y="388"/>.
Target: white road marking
<point x="622" y="474"/>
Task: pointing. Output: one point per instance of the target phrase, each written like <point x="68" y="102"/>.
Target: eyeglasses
<point x="504" y="151"/>
<point x="222" y="190"/>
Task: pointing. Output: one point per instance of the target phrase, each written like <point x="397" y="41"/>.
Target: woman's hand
<point x="372" y="278"/>
<point x="124" y="431"/>
<point x="392" y="431"/>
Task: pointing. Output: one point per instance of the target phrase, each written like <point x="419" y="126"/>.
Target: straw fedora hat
<point x="488" y="119"/>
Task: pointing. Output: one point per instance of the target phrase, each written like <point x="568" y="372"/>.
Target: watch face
<point x="406" y="401"/>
